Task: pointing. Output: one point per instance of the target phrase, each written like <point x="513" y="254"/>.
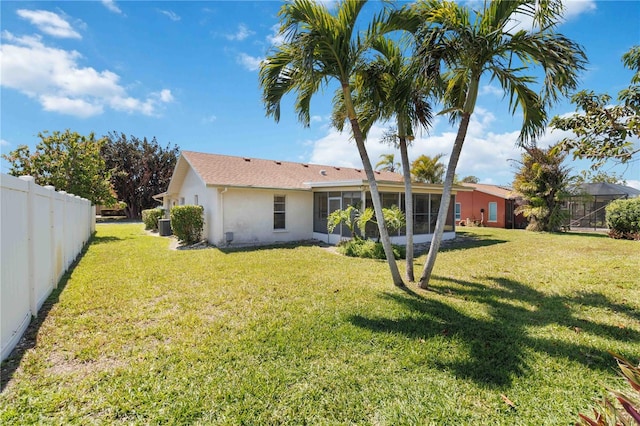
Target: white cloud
<point x="70" y="106"/>
<point x="49" y="23"/>
<point x="209" y="119"/>
<point x="633" y="183"/>
<point x="252" y="63"/>
<point x="112" y="6"/>
<point x="242" y="33"/>
<point x="4" y="142"/>
<point x="54" y="78"/>
<point x="575" y="8"/>
<point x="165" y="96"/>
<point x="489" y="89"/>
<point x="275" y="38"/>
<point x="170" y="14"/>
<point x="485" y="154"/>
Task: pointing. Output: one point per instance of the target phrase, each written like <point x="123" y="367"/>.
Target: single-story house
<point x="586" y="206"/>
<point x="488" y="205"/>
<point x="256" y="201"/>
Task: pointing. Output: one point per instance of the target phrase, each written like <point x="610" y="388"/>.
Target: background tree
<point x="470" y="44"/>
<point x="139" y="169"/>
<point x="319" y="47"/>
<point x="387" y="163"/>
<point x="69" y="161"/>
<point x="542" y="182"/>
<point x="470" y="179"/>
<point x="588" y="176"/>
<point x="428" y="169"/>
<point x="603" y="131"/>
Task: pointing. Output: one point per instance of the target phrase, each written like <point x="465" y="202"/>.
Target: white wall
<point x="248" y="213"/>
<point x="43" y="231"/>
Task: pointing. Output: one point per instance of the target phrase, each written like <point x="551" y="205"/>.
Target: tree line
<point x="114" y="168"/>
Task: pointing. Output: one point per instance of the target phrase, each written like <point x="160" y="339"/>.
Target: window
<point x="279" y="212"/>
<point x="195" y="200"/>
<point x="493" y="212"/>
<point x="458" y="211"/>
<point x="182" y="201"/>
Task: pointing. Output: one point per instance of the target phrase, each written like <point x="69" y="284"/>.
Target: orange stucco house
<point x="488" y="205"/>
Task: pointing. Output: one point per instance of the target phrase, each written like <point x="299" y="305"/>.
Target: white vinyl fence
<point x="43" y="232"/>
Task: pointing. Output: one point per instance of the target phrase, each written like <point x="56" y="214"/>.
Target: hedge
<point x="150" y="218"/>
<point x="623" y="219"/>
<point x="187" y="223"/>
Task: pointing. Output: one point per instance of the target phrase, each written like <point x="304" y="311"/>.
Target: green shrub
<point x="150" y="218"/>
<point x="369" y="249"/>
<point x="187" y="223"/>
<point x="623" y="219"/>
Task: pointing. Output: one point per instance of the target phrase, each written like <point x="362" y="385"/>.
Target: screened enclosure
<point x="586" y="207"/>
<point x="425" y="212"/>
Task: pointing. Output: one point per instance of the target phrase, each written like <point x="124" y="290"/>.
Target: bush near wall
<point x="150" y="218"/>
<point x="623" y="219"/>
<point x="187" y="223"/>
<point x="368" y="249"/>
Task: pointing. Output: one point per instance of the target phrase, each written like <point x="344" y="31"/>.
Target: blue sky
<point x="186" y="73"/>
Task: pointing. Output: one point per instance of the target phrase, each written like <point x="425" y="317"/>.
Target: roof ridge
<point x="306" y="164"/>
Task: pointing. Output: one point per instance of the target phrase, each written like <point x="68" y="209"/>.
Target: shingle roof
<point x="225" y="170"/>
<point x="498" y="191"/>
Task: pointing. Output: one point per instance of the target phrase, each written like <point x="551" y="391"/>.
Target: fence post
<point x="31" y="283"/>
<point x="52" y="234"/>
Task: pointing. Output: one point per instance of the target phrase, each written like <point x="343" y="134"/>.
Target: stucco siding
<point x="248" y="213"/>
<point x="471" y="204"/>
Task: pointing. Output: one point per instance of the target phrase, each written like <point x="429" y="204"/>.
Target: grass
<point x="139" y="334"/>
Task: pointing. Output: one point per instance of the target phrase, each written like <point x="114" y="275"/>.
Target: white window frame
<point x="495" y="219"/>
<point x="283" y="211"/>
<point x="458" y="211"/>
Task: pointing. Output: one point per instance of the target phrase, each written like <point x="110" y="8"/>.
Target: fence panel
<point x="43" y="231"/>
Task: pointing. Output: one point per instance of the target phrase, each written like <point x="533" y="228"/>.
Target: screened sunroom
<point x="426" y="203"/>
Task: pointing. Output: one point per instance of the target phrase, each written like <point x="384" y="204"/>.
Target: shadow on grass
<point x="461" y="242"/>
<point x="103" y="240"/>
<point x="583" y="233"/>
<point x="277" y="246"/>
<point x="497" y="344"/>
<point x="30" y="336"/>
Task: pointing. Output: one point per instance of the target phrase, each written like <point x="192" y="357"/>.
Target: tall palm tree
<point x="485" y="42"/>
<point x="320" y="46"/>
<point x="428" y="169"/>
<point x="391" y="86"/>
<point x="387" y="163"/>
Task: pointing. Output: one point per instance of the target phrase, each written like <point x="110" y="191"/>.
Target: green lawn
<point x="140" y="334"/>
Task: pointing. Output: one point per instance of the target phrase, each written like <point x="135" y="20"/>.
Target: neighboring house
<point x="488" y="205"/>
<point x="255" y="201"/>
<point x="587" y="206"/>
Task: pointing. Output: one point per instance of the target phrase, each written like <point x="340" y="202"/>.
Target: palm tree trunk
<point x="444" y="203"/>
<point x="408" y="206"/>
<point x="377" y="204"/>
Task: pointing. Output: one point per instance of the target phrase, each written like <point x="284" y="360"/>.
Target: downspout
<point x="222" y="210"/>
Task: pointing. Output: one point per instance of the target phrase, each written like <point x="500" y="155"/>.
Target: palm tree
<point x="387" y="163"/>
<point x="428" y="169"/>
<point x="388" y="87"/>
<point x="320" y="47"/>
<point x="471" y="44"/>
